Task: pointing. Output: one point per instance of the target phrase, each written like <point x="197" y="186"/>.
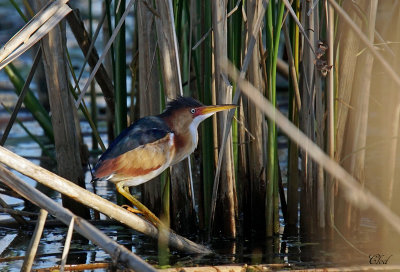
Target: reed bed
<point x="341" y="140"/>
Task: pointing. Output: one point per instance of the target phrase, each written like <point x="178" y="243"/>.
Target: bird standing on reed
<point x="151" y="144"/>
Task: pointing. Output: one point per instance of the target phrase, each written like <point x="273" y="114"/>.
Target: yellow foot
<point x="143" y="210"/>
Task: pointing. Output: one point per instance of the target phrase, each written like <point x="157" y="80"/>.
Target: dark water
<point x="253" y="250"/>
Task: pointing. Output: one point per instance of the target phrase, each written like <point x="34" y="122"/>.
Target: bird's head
<point x="185" y="112"/>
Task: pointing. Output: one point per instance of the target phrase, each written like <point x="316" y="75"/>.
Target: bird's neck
<point x="185" y="144"/>
<point x="185" y="139"/>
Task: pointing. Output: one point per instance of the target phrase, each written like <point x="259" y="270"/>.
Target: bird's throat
<point x="185" y="140"/>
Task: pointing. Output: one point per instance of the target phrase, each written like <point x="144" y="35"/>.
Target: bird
<point x="152" y="144"/>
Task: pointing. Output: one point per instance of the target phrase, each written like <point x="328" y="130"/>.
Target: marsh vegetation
<point x="319" y="180"/>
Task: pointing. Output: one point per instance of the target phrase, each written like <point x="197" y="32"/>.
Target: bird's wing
<point x="140" y="163"/>
<point x="137" y="149"/>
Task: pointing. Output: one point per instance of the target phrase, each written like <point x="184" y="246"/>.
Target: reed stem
<point x="120" y="72"/>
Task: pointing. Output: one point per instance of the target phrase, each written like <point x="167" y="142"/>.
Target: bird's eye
<point x="193" y="111"/>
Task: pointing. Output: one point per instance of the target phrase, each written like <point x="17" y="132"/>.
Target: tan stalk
<point x="34" y="243"/>
<point x="331" y="116"/>
<point x="181" y="198"/>
<point x="349" y="46"/>
<point x="149" y="94"/>
<point x="307" y="124"/>
<point x="61" y="105"/>
<point x="292" y="70"/>
<point x="226" y="199"/>
<point x="256" y="155"/>
<point x="319" y="130"/>
<point x="356" y="132"/>
<point x="244" y="185"/>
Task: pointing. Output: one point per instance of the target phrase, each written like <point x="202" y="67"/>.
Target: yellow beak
<point x="214" y="109"/>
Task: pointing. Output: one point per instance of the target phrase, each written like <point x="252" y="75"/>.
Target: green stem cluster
<point x="274" y="25"/>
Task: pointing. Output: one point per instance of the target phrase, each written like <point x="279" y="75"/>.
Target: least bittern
<point x="151" y="144"/>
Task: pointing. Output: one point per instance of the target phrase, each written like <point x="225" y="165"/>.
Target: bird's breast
<point x="184" y="145"/>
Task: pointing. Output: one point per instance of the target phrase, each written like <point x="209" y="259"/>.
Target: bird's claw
<point x="132" y="210"/>
<point x="136" y="211"/>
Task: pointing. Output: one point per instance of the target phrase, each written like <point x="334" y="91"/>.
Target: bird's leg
<point x="127" y="207"/>
<point x="142" y="208"/>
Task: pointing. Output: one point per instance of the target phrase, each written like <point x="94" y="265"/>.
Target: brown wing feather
<point x="137" y="162"/>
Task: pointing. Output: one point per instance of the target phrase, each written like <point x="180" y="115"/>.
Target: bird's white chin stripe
<point x="200" y="118"/>
<point x="193" y="127"/>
